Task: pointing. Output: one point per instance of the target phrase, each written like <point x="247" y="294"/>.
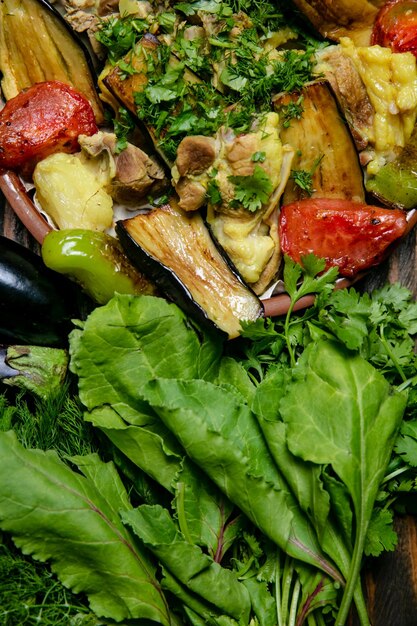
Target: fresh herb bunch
<point x="30" y="594"/>
<point x="379" y="326"/>
<point x="120" y="34"/>
<point x="52" y="423"/>
<point x="225" y="511"/>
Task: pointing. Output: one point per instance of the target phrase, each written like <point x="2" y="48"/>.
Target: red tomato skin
<point x="41" y="120"/>
<point x="350" y="235"/>
<point x="395" y="26"/>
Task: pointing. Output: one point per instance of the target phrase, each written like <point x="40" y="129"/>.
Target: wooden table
<point x="391" y="580"/>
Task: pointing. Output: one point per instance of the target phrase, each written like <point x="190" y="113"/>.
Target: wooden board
<point x="391" y="580"/>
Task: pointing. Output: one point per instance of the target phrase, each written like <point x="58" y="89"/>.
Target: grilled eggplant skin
<point x="36" y="305"/>
<point x="177" y="252"/>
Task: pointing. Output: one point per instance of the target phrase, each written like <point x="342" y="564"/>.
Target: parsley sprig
<point x="302" y="280"/>
<point x="252" y="191"/>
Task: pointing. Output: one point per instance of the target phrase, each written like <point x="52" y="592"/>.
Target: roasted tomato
<point x="45" y="118"/>
<point x="350" y="235"/>
<point x="395" y="26"/>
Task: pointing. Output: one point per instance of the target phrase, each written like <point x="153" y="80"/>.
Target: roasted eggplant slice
<point x="37" y="45"/>
<point x="177" y="252"/>
<point x="340" y="18"/>
<point x="350" y="91"/>
<point x="323" y="146"/>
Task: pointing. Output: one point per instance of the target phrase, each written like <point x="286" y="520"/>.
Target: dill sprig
<point x="31" y="595"/>
<point x="53" y="423"/>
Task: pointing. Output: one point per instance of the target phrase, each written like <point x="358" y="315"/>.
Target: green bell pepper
<point x="96" y="261"/>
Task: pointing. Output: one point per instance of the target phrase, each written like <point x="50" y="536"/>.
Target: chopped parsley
<point x="123" y="125"/>
<point x="213" y="193"/>
<point x="174" y="107"/>
<point x="120" y="34"/>
<point x="193" y="52"/>
<point x="220" y="75"/>
<point x="216" y="7"/>
<point x="252" y="191"/>
<point x="167" y="21"/>
<point x="259" y="156"/>
<point x="304" y="180"/>
<point x="254" y="79"/>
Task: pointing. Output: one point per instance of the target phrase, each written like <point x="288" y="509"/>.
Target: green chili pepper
<point x="96" y="261"/>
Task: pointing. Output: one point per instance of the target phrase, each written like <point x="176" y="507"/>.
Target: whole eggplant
<point x="36" y="304"/>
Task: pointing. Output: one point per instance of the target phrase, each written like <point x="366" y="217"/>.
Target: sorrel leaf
<point x="56" y="514"/>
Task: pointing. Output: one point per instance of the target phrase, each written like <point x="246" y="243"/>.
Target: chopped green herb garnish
<point x="167" y="21"/>
<point x="216" y="7"/>
<point x="120" y="34"/>
<point x="291" y="111"/>
<point x="259" y="157"/>
<point x="254" y="190"/>
<point x="123" y="126"/>
<point x="213" y="193"/>
<point x="304" y="178"/>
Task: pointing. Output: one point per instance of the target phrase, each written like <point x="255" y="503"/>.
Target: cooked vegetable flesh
<point x="340" y="18"/>
<point x="36" y="45"/>
<point x="71" y="194"/>
<point x="323" y="146"/>
<point x="44" y="119"/>
<point x="395" y="184"/>
<point x="352" y="236"/>
<point x="176" y="250"/>
<point x="396" y="26"/>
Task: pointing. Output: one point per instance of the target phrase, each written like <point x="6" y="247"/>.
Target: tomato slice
<point x="45" y="118"/>
<point x="395" y="26"/>
<point x="350" y="235"/>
